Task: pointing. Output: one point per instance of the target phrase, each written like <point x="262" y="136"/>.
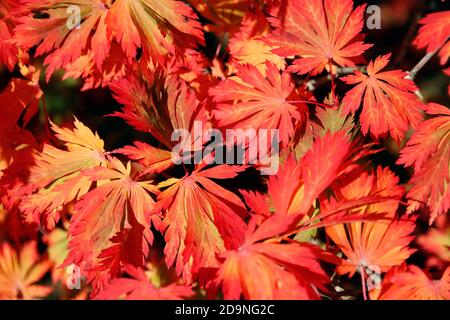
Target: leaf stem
<point x="332" y="78"/>
<point x="313" y="84"/>
<point x="363" y="282"/>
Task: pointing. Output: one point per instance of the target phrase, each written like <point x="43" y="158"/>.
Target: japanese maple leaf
<point x="159" y="27"/>
<point x="428" y="151"/>
<point x="414" y="284"/>
<point x="248" y="47"/>
<point x="437" y="242"/>
<point x="118" y="202"/>
<point x="383" y="243"/>
<point x="21" y="96"/>
<point x="12" y="225"/>
<point x="113" y="68"/>
<point x="20" y="101"/>
<point x="55" y="37"/>
<point x="10" y="10"/>
<point x="56" y="178"/>
<point x="297" y="185"/>
<point x="434" y="33"/>
<point x="200" y="219"/>
<point x="293" y="191"/>
<point x="153" y="159"/>
<point x="20" y="271"/>
<point x="321" y="32"/>
<point x="388" y="99"/>
<point x="158" y="105"/>
<point x="8" y="51"/>
<point x="325" y="120"/>
<point x="272" y="270"/>
<point x="138" y="287"/>
<point x="254" y="101"/>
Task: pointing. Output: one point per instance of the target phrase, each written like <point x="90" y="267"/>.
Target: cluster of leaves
<point x="134" y="225"/>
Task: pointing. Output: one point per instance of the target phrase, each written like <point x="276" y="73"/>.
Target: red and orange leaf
<point x="252" y="100"/>
<point x="293" y="190"/>
<point x="437" y="243"/>
<point x="8" y="51"/>
<point x="158" y="105"/>
<point x="85" y="67"/>
<point x="118" y="202"/>
<point x="428" y="151"/>
<point x="248" y="47"/>
<point x="271" y="270"/>
<point x="159" y="27"/>
<point x="187" y="73"/>
<point x="321" y="165"/>
<point x="389" y="104"/>
<point x="21" y="96"/>
<point x="383" y="243"/>
<point x="54" y="36"/>
<point x="201" y="219"/>
<point x="10" y="10"/>
<point x="434" y="33"/>
<point x="415" y="284"/>
<point x="321" y="32"/>
<point x="139" y="288"/>
<point x="56" y="177"/>
<point x="153" y="159"/>
<point x="20" y="271"/>
<point x="20" y="100"/>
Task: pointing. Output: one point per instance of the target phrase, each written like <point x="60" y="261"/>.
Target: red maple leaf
<point x="428" y="151"/>
<point x="55" y="177"/>
<point x="159" y="27"/>
<point x="272" y="270"/>
<point x="383" y="243"/>
<point x="138" y="287"/>
<point x="100" y="215"/>
<point x="388" y="99"/>
<point x="412" y="283"/>
<point x="200" y="219"/>
<point x="434" y="33"/>
<point x="321" y="32"/>
<point x="253" y="100"/>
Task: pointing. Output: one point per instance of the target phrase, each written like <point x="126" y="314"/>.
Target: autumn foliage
<point x="358" y="208"/>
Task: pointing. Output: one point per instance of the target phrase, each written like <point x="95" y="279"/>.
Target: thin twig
<point x="413" y="73"/>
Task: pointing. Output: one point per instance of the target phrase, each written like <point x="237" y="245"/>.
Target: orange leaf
<point x="250" y="101"/>
<point x="19" y="272"/>
<point x="382" y="243"/>
<point x="202" y="219"/>
<point x="56" y="175"/>
<point x="389" y="103"/>
<point x="139" y="288"/>
<point x="116" y="203"/>
<point x="320" y="32"/>
<point x="428" y="151"/>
